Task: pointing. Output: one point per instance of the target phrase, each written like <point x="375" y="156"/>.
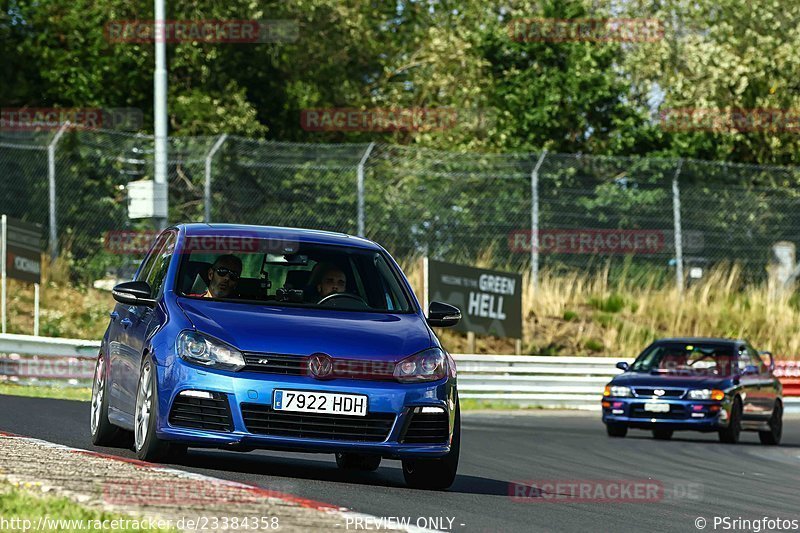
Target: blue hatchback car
<point x="705" y="384"/>
<point x="249" y="337"/>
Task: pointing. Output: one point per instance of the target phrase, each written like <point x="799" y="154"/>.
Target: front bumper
<point x="697" y="415"/>
<point x="257" y="388"/>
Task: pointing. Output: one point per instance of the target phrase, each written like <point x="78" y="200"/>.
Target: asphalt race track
<point x="703" y="477"/>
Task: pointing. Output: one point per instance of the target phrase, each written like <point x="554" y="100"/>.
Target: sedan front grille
<point x="650" y="392"/>
<point x="202" y="413"/>
<point x="263" y="420"/>
<point x="273" y="363"/>
<point x="297" y="365"/>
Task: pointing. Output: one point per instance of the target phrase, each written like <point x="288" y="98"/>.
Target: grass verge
<point x="20" y="507"/>
<point x="36" y="391"/>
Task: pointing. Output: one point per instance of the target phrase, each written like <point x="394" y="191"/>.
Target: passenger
<point x="222" y="277"/>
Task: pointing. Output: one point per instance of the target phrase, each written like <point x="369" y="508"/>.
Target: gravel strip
<point x="140" y="490"/>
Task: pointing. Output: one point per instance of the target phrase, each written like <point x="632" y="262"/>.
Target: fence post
<point x="535" y="222"/>
<point x="51" y="176"/>
<point x="676" y="211"/>
<point x="207" y="188"/>
<point x="361" y="188"/>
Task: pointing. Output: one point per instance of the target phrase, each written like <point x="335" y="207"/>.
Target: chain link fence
<point x="659" y="219"/>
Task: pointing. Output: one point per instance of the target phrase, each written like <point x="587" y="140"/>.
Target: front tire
<point x="773" y="436"/>
<point x="435" y="474"/>
<point x="103" y="432"/>
<point x="730" y="434"/>
<point x="357" y="461"/>
<point x="148" y="447"/>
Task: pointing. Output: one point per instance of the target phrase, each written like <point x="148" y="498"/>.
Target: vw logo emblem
<point x="659" y="392"/>
<point x="320" y="365"/>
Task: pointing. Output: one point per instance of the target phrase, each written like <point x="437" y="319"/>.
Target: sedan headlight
<point x="427" y="365"/>
<point x="617" y="391"/>
<point x="197" y="348"/>
<point x="706" y="394"/>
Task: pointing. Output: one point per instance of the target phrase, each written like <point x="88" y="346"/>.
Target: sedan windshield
<point x="709" y="359"/>
<point x="296" y="274"/>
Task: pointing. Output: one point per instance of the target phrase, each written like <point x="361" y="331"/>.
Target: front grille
<point x="273" y="363"/>
<point x="262" y="420"/>
<point x="676" y="411"/>
<point x="297" y="365"/>
<point x="428" y="428"/>
<point x="202" y="413"/>
<point x="651" y="392"/>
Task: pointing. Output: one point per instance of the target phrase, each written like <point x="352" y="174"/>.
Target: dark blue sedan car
<point x="247" y="337"/>
<point x="720" y="385"/>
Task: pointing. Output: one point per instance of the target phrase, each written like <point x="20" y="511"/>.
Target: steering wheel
<point x="344" y="297"/>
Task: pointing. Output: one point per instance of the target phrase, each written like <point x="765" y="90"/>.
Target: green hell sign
<point x="490" y="300"/>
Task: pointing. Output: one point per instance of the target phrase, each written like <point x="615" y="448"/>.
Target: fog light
<point x="436" y="410"/>
<point x="617" y="411"/>
<point x="197" y="394"/>
<point x="723" y="415"/>
<point x="698" y="415"/>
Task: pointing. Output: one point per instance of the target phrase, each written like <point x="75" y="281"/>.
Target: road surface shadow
<point x="299" y="468"/>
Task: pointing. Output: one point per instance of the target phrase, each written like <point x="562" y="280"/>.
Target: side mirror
<point x="771" y="363"/>
<point x="624" y="366"/>
<point x="442" y="315"/>
<point x="133" y="293"/>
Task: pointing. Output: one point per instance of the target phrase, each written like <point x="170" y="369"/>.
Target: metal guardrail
<point x="523" y="380"/>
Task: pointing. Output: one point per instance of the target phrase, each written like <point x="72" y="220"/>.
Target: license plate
<point x="657" y="407"/>
<point x="319" y="402"/>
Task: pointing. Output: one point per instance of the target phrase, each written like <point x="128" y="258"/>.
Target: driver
<point x="332" y="281"/>
<point x="222" y="277"/>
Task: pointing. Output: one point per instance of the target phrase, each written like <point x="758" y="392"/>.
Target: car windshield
<point x="255" y="271"/>
<point x="686" y="358"/>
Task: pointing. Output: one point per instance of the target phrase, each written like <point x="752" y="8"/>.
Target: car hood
<point x="292" y="330"/>
<point x="634" y="379"/>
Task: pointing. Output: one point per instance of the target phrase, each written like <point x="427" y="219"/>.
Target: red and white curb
<point x="347" y="516"/>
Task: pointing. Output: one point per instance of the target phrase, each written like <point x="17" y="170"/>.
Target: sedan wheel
<point x="103" y="432"/>
<point x="148" y="446"/>
<point x="773" y="436"/>
<point x="144" y="400"/>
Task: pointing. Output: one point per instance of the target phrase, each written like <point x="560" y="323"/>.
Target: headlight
<point x="428" y="365"/>
<point x="706" y="394"/>
<point x="198" y="348"/>
<point x="617" y="391"/>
